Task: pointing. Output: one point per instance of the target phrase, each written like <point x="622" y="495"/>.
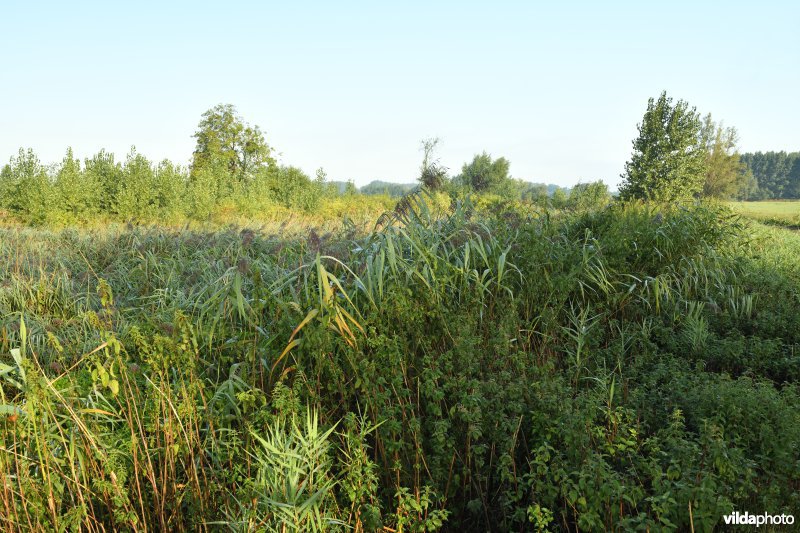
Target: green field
<point x="778" y="213"/>
<point x="463" y="368"/>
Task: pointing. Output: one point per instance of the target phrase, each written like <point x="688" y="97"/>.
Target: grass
<point x="451" y="368"/>
<point x="778" y="213"/>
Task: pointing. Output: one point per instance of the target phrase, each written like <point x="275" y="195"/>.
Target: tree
<point x="669" y="159"/>
<point x="78" y="192"/>
<point x="26" y="188"/>
<point x="559" y="199"/>
<point x="170" y="183"/>
<point x="535" y="192"/>
<point x="103" y="170"/>
<point x="726" y="174"/>
<point x="432" y="175"/>
<point x="588" y="196"/>
<point x="138" y="193"/>
<point x="777" y="173"/>
<point x="226" y="143"/>
<point x="483" y="173"/>
<point x="793" y="190"/>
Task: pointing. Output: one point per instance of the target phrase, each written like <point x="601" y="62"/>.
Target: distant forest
<point x="776" y="175"/>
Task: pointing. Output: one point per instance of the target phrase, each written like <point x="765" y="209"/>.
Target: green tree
<point x="77" y="192"/>
<point x="669" y="158"/>
<point x="777" y="173"/>
<point x="483" y="173"/>
<point x="560" y="198"/>
<point x="170" y="187"/>
<point x="26" y="188"/>
<point x="793" y="190"/>
<point x="204" y="191"/>
<point x="226" y="143"/>
<point x="726" y="174"/>
<point x="588" y="196"/>
<point x="290" y="187"/>
<point x="138" y="192"/>
<point x="535" y="192"/>
<point x="107" y="174"/>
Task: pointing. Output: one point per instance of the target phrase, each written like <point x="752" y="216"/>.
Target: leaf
<point x="95" y="411"/>
<point x="6" y="409"/>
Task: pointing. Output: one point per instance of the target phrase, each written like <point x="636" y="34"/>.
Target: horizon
<point x="556" y="90"/>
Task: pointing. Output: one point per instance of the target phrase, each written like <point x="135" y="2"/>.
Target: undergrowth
<point x="628" y="367"/>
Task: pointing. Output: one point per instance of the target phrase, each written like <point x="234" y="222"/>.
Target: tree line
<point x="776" y="175"/>
<point x="232" y="168"/>
<point x="677" y="155"/>
<point x="232" y="165"/>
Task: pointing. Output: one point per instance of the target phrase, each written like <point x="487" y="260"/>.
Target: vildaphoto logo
<point x="746" y="519"/>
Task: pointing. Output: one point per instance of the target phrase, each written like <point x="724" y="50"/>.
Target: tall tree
<point x="669" y="159"/>
<point x="726" y="174"/>
<point x="138" y="193"/>
<point x="793" y="189"/>
<point x="777" y="173"/>
<point x="103" y="170"/>
<point x="25" y="187"/>
<point x="78" y="193"/>
<point x="225" y="142"/>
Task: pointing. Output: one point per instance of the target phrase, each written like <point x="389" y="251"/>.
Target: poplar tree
<point x="669" y="158"/>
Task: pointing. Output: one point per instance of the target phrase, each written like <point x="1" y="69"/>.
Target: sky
<point x="555" y="87"/>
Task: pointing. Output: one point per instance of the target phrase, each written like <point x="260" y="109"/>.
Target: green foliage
<point x="588" y="196"/>
<point x="777" y="174"/>
<point x="394" y="190"/>
<point x="226" y="143"/>
<point x="293" y="486"/>
<point x="773" y="212"/>
<point x="726" y="175"/>
<point x="291" y="187"/>
<point x="26" y="188"/>
<point x="78" y="193"/>
<point x="669" y="160"/>
<point x="467" y="365"/>
<point x="137" y="197"/>
<point x="102" y="170"/>
<point x="484" y="173"/>
<point x="431" y="175"/>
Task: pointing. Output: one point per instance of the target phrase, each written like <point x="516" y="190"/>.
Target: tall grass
<point x="456" y="367"/>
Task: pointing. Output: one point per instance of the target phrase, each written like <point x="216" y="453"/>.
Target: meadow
<point x="470" y="365"/>
<point x="777" y="213"/>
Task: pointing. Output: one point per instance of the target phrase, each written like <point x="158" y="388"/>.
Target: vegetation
<point x="783" y="213"/>
<point x="280" y="355"/>
<point x="395" y="190"/>
<point x="777" y="175"/>
<point x="484" y="173"/>
<point x="232" y="173"/>
<point x="604" y="369"/>
<point x="727" y="176"/>
<point x="669" y="160"/>
<point x="677" y="156"/>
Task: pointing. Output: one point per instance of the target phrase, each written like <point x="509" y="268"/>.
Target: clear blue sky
<point x="556" y="87"/>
